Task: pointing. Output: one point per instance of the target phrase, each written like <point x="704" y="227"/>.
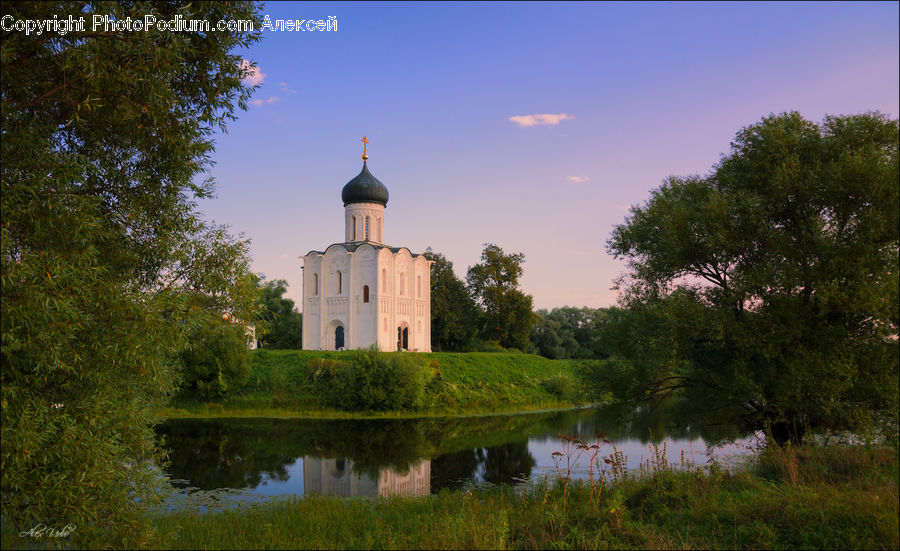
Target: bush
<point x="561" y="385"/>
<point x="218" y="360"/>
<point x="372" y="380"/>
<point x="490" y="346"/>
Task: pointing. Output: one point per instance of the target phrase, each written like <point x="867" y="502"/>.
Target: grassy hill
<point x="281" y="385"/>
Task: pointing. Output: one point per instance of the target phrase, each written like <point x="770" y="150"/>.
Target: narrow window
<point x="402" y="284"/>
<point x="365" y="293"/>
<point x="339" y="283"/>
<point x="419" y="286"/>
<point x="315" y="284"/>
<point x="384" y="280"/>
<point x="385" y="324"/>
<point x="353" y="235"/>
<point x="367" y="228"/>
<point x="381" y="230"/>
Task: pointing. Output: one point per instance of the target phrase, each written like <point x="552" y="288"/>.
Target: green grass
<point x="830" y="498"/>
<point x="281" y="385"/>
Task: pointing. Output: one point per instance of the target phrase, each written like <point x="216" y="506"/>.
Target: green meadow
<point x="282" y="385"/>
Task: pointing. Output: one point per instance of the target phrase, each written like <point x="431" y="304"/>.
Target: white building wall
<point x="399" y="296"/>
<point x="364" y="314"/>
<point x="312" y="301"/>
<point x="387" y="331"/>
<point x="359" y="212"/>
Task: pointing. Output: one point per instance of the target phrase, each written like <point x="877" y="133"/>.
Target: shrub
<point x="490" y="346"/>
<point x="561" y="385"/>
<point x="218" y="360"/>
<point x="372" y="380"/>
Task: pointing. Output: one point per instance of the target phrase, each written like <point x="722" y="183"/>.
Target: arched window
<point x="339" y="282"/>
<point x="402" y="284"/>
<point x="367" y="228"/>
<point x="353" y="235"/>
<point x="419" y="286"/>
<point x="384" y="281"/>
<point x="365" y="293"/>
<point x="315" y="284"/>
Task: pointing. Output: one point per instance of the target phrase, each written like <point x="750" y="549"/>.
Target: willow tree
<point x="771" y="285"/>
<point x="106" y="264"/>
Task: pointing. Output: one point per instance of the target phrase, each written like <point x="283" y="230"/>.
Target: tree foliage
<point x="507" y="315"/>
<point x="106" y="265"/>
<point x="217" y="360"/>
<point x="454" y="314"/>
<point x="569" y="332"/>
<point x="768" y="290"/>
<point x="282" y="325"/>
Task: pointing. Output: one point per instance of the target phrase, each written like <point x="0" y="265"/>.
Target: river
<point x="259" y="459"/>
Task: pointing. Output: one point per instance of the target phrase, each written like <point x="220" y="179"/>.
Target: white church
<point x="362" y="292"/>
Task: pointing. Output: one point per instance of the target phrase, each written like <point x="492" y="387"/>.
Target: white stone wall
<point x="312" y="301"/>
<point x="355" y="215"/>
<point x="399" y="296"/>
<point x="363" y="314"/>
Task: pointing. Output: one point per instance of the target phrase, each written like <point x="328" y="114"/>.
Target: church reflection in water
<point x="336" y="477"/>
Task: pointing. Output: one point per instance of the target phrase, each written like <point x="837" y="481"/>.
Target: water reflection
<point x="268" y="457"/>
<point x="336" y="477"/>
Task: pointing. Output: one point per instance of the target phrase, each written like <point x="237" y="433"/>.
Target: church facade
<point x="362" y="292"/>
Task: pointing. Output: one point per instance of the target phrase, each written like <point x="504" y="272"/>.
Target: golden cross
<point x="365" y="144"/>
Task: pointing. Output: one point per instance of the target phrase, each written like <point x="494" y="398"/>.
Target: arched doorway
<point x="339" y="337"/>
<point x="403" y="337"/>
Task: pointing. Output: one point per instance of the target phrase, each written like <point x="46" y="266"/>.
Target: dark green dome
<point x="365" y="188"/>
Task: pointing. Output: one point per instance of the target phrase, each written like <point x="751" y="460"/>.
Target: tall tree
<point x="774" y="280"/>
<point x="106" y="265"/>
<point x="454" y="314"/>
<point x="283" y="325"/>
<point x="507" y="311"/>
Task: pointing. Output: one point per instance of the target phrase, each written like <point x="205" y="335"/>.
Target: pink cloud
<point x="545" y="119"/>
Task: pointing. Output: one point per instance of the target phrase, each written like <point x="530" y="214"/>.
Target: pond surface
<point x="264" y="458"/>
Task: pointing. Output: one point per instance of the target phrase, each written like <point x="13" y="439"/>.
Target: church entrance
<point x="403" y="338"/>
<point x="339" y="337"/>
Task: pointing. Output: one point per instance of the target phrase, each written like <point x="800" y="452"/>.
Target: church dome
<point x="365" y="188"/>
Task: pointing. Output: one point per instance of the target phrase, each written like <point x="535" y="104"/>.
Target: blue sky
<point x="639" y="91"/>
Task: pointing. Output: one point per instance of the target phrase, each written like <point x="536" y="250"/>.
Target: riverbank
<point x="828" y="498"/>
<point x="281" y="385"/>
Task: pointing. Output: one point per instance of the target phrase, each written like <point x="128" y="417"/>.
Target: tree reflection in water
<point x="245" y="453"/>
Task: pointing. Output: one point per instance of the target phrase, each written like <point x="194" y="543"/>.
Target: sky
<point x="534" y="126"/>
